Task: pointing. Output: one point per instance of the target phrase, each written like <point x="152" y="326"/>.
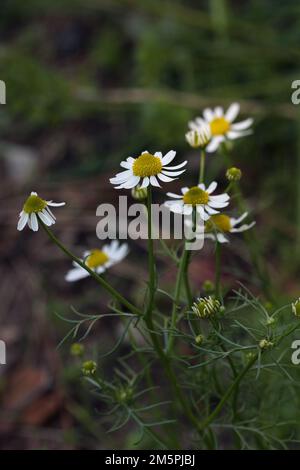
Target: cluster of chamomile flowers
<point x="153" y="169"/>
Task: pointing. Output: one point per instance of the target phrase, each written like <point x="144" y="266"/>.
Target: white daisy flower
<point x="200" y="136"/>
<point x="219" y="224"/>
<point x="147" y="169"/>
<point x="36" y="208"/>
<point x="199" y="197"/>
<point x="221" y="125"/>
<point x="98" y="260"/>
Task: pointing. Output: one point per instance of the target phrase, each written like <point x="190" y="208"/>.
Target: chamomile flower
<point x="221" y="125"/>
<point x="147" y="169"/>
<point x="98" y="260"/>
<point x="198" y="197"/>
<point x="36" y="208"/>
<point x="219" y="224"/>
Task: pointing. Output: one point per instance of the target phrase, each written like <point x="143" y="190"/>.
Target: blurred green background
<point x="90" y="82"/>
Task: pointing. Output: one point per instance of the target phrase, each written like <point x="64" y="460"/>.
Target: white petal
<point x="76" y="274"/>
<point x="46" y="219"/>
<point x="221" y="238"/>
<point x="176" y="167"/>
<point x="184" y="190"/>
<point x="235" y="222"/>
<point x="154" y="182"/>
<point x="172" y="173"/>
<point x="208" y="114"/>
<point x="176" y="196"/>
<point x="232" y="112"/>
<point x="232" y="135"/>
<point x="211" y="188"/>
<point x="219" y="198"/>
<point x="127" y="165"/>
<point x="211" y="211"/>
<point x="192" y="125"/>
<point x="22" y="221"/>
<point x="201" y="186"/>
<point x="164" y="178"/>
<point x="242" y="125"/>
<point x="218" y="205"/>
<point x="219" y="112"/>
<point x="158" y="154"/>
<point x="55" y="204"/>
<point x="145" y="182"/>
<point x="243" y="228"/>
<point x="33" y="193"/>
<point x="214" y="143"/>
<point x="34" y="222"/>
<point x="132" y="182"/>
<point x="168" y="157"/>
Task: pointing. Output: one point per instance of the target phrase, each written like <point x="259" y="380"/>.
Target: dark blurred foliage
<point x="90" y="82"/>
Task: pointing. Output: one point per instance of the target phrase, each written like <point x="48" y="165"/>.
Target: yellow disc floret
<point x="96" y="258"/>
<point x="220" y="222"/>
<point x="195" y="196"/>
<point x="34" y="204"/>
<point x="147" y="165"/>
<point x="219" y="126"/>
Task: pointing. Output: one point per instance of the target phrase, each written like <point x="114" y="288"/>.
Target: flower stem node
<point x="206" y="307"/>
<point x="296" y="308"/>
<point x="89" y="368"/>
<point x="139" y="194"/>
<point x="233" y="174"/>
<point x="265" y="344"/>
<point x="77" y="349"/>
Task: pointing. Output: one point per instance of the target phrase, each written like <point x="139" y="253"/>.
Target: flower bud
<point x="265" y="344"/>
<point x="199" y="137"/>
<point x="77" y="349"/>
<point x="199" y="339"/>
<point x="233" y="174"/>
<point x="208" y="286"/>
<point x="89" y="368"/>
<point x="296" y="308"/>
<point x="206" y="307"/>
<point x="139" y="194"/>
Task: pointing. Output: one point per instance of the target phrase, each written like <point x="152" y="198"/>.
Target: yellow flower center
<point x="219" y="126"/>
<point x="195" y="196"/>
<point x="220" y="222"/>
<point x="96" y="258"/>
<point x="147" y="165"/>
<point x="34" y="204"/>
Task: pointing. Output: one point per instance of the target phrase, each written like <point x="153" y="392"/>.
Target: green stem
<point x="218" y="272"/>
<point x="228" y="394"/>
<point x="98" y="278"/>
<point x="151" y="261"/>
<point x="202" y="166"/>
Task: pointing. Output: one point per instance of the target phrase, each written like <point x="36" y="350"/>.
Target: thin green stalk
<point x="98" y="278"/>
<point x="228" y="394"/>
<point x="182" y="268"/>
<point x="218" y="272"/>
<point x="151" y="261"/>
<point x="202" y="166"/>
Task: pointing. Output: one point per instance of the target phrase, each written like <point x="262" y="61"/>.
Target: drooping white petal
<point x="76" y="274"/>
<point x="172" y="173"/>
<point x="168" y="157"/>
<point x="164" y="178"/>
<point x="242" y="228"/>
<point x="44" y="218"/>
<point x="242" y="125"/>
<point x="176" y="167"/>
<point x="211" y="211"/>
<point x="23" y="220"/>
<point x="214" y="143"/>
<point x="145" y="182"/>
<point x="34" y="222"/>
<point x="232" y="112"/>
<point x="131" y="182"/>
<point x="234" y="222"/>
<point x="176" y="196"/>
<point x="154" y="182"/>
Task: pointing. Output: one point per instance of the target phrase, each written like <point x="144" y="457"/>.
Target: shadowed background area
<point x="90" y="82"/>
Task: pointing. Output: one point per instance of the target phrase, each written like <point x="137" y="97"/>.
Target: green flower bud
<point x="233" y="174"/>
<point x="208" y="286"/>
<point x="124" y="394"/>
<point x="199" y="339"/>
<point x="265" y="344"/>
<point x="139" y="194"/>
<point x="296" y="308"/>
<point x="89" y="368"/>
<point x="77" y="349"/>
